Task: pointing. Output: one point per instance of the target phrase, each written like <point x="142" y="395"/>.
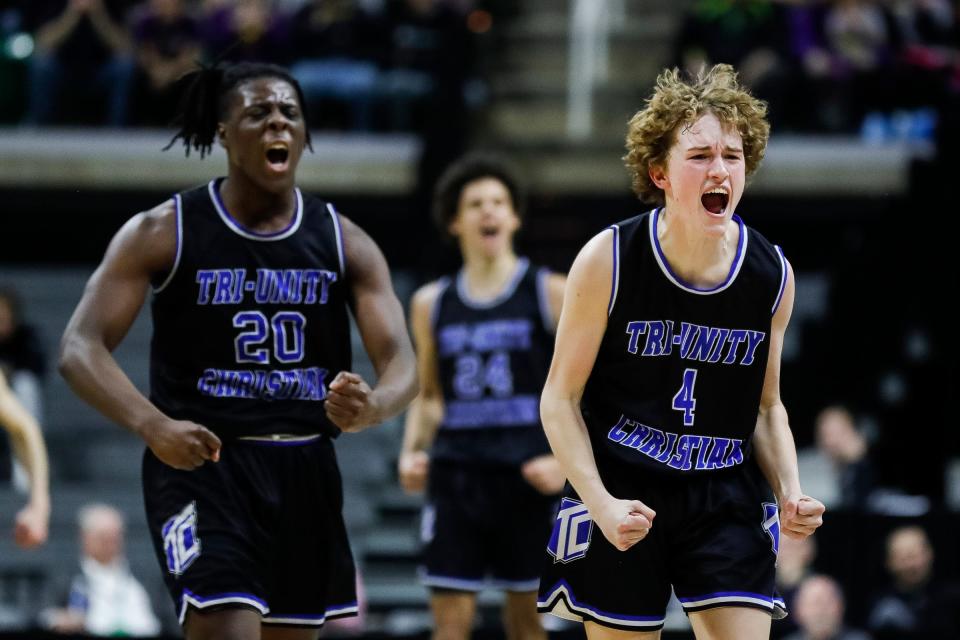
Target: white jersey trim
<point x="732" y="598"/>
<point x="503" y="296"/>
<point x="615" y="284"/>
<point x="178" y="212"/>
<point x="338" y="231"/>
<point x="442" y="285"/>
<point x="451" y="582"/>
<point x="562" y="603"/>
<point x="471" y="584"/>
<point x="543" y="300"/>
<point x="242" y="231"/>
<point x="783" y="279"/>
<point x="665" y="268"/>
<point x="314" y="620"/>
<point x="233" y="598"/>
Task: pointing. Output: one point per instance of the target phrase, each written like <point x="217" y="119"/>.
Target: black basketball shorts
<point x="483" y="526"/>
<point x="260" y="529"/>
<point x="714" y="540"/>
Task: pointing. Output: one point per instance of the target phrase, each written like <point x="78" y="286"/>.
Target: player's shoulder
<point x="759" y="243"/>
<point x="598" y="250"/>
<point x="157" y="224"/>
<point x="148" y="240"/>
<point x="427" y="295"/>
<point x="764" y="254"/>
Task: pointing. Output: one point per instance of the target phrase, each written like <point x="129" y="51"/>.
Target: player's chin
<point x="277" y="181"/>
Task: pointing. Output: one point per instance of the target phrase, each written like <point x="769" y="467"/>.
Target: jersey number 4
<point x="684" y="400"/>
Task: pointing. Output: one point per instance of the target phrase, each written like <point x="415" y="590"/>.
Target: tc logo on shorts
<point x="771" y="524"/>
<point x="571" y="533"/>
<point x="180" y="541"/>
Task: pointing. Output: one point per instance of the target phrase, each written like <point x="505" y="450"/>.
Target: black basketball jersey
<point x="250" y="328"/>
<point x="677" y="382"/>
<point x="493" y="359"/>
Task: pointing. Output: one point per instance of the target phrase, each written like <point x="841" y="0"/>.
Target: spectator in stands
<point x="30" y="529"/>
<point x="860" y="38"/>
<point x="819" y="611"/>
<point x="429" y="70"/>
<point x="104" y="599"/>
<point x="246" y="31"/>
<point x="167" y="45"/>
<point x="794" y="565"/>
<point x="428" y="57"/>
<point x="914" y="602"/>
<point x="929" y="55"/>
<point x="12" y="69"/>
<point x="334" y="42"/>
<point x="82" y="53"/>
<point x="845" y="446"/>
<point x="749" y="34"/>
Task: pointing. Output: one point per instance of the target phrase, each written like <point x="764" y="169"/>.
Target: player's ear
<point x="221" y="135"/>
<point x="658" y="176"/>
<point x="514" y="221"/>
<point x="453" y="227"/>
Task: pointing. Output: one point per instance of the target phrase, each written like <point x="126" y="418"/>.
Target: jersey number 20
<point x="287" y="329"/>
<point x="684" y="400"/>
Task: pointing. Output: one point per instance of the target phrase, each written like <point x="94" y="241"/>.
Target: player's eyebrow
<point x="710" y="148"/>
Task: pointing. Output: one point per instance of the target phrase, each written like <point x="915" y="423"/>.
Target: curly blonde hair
<point x="676" y="103"/>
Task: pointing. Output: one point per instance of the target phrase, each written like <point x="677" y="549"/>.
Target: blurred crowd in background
<point x="372" y="65"/>
<point x="876" y="67"/>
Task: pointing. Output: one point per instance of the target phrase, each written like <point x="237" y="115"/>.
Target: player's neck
<point x="699" y="259"/>
<point x="486" y="276"/>
<point x="256" y="208"/>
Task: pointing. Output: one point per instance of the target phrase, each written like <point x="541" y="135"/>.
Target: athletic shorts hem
<point x="774" y="606"/>
<point x="453" y="583"/>
<point x="561" y="602"/>
<point x="220" y="601"/>
<point x="295" y="620"/>
<point x="456" y="583"/>
<point x="519" y="586"/>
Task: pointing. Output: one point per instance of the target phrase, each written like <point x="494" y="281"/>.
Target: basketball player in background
<point x="473" y="436"/>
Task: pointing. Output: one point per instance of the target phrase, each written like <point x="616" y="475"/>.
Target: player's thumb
<point x="638" y="507"/>
<point x="212" y="442"/>
<point x="343" y="379"/>
<point x="789" y="509"/>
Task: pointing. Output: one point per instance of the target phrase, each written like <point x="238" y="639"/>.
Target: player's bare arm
<point x="800" y="515"/>
<point x="111" y="301"/>
<point x="352" y="404"/>
<point x="426" y="410"/>
<point x="32" y="520"/>
<point x="582" y="325"/>
<point x="544" y="472"/>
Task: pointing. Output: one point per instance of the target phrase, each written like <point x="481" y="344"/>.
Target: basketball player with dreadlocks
<point x="250" y="367"/>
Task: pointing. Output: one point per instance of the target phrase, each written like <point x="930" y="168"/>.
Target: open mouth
<point x="489" y="232"/>
<point x="277" y="156"/>
<point x="715" y="201"/>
